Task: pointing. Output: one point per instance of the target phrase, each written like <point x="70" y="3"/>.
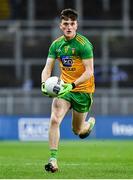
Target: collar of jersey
<point x="70" y="39"/>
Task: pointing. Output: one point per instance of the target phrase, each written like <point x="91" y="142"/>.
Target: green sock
<point x="53" y="153"/>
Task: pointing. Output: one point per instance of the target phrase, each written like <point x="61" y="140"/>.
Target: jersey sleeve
<point x="87" y="51"/>
<point x="52" y="51"/>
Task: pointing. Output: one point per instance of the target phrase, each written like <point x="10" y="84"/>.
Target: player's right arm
<point x="47" y="70"/>
<point x="46" y="73"/>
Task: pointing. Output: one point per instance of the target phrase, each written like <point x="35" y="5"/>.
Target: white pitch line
<point x="74" y="164"/>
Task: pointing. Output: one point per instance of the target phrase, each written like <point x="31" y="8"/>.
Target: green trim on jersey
<point x="70" y="54"/>
<point x="78" y="47"/>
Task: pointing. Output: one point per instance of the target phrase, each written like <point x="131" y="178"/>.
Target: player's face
<point x="69" y="28"/>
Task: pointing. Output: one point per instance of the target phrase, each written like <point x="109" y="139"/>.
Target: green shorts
<point x="80" y="102"/>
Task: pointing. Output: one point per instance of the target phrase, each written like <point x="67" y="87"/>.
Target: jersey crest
<point x="66" y="61"/>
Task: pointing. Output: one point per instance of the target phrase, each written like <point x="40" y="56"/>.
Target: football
<point x="53" y="85"/>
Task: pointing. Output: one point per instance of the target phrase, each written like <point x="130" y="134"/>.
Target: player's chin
<point x="69" y="35"/>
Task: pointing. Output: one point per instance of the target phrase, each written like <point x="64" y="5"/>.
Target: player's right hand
<point x="43" y="89"/>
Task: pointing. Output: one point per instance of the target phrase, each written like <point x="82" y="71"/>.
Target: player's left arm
<point x="88" y="73"/>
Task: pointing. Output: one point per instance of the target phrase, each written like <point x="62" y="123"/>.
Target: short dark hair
<point x="69" y="14"/>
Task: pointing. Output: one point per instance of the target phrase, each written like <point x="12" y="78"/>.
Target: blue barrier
<point x="8" y="128"/>
<point x="114" y="127"/>
<point x="36" y="128"/>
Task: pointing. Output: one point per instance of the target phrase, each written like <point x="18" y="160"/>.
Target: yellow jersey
<point x="70" y="54"/>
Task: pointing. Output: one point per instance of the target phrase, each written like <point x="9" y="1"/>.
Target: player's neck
<point x="70" y="38"/>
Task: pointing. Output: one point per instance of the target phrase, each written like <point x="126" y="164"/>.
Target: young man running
<point x="75" y="55"/>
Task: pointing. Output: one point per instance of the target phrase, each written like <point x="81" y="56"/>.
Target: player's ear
<point x="60" y="26"/>
<point x="76" y="25"/>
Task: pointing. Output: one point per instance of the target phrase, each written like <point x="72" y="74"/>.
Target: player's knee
<point x="55" y="121"/>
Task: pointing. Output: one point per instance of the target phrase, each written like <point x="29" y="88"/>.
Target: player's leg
<point x="81" y="106"/>
<point x="87" y="130"/>
<point x="78" y="121"/>
<point x="80" y="126"/>
<point x="59" y="108"/>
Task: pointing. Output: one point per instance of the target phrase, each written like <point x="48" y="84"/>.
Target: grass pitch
<point x="89" y="159"/>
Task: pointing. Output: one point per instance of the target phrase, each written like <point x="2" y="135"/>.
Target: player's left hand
<point x="66" y="88"/>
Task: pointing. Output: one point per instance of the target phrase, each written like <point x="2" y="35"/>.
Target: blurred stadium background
<point x="27" y="28"/>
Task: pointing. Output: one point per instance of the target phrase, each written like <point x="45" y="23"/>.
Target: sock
<point x="53" y="153"/>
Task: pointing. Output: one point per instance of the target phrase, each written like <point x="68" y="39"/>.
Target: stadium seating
<point x="24" y="44"/>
